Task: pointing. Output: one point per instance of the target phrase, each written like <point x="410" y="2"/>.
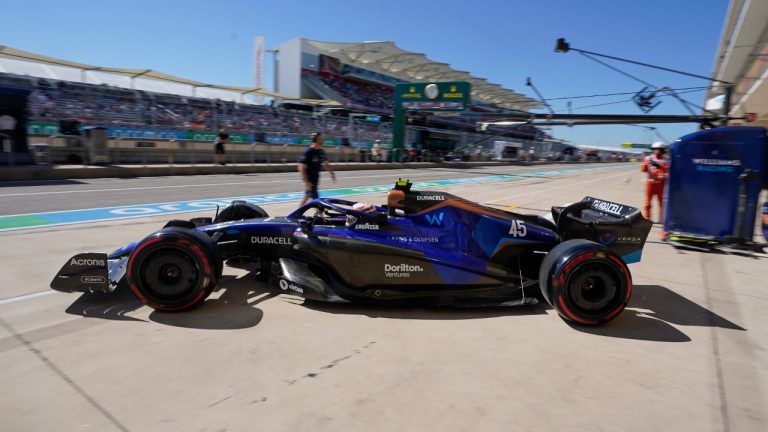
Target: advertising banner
<point x="42" y="128"/>
<point x="124" y="132"/>
<point x="212" y="136"/>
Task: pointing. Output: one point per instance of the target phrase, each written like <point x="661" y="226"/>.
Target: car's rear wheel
<point x="174" y="269"/>
<point x="585" y="282"/>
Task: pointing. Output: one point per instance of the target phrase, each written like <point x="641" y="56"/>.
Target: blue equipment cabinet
<point x="714" y="183"/>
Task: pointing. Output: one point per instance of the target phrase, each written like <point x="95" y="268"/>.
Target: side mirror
<point x="201" y="221"/>
<point x="307" y="227"/>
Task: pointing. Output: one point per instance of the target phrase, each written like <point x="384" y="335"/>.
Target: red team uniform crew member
<point x="657" y="167"/>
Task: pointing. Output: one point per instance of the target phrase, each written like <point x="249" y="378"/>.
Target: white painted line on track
<point x="26" y="297"/>
<point x="290" y="178"/>
<point x="553" y="188"/>
<point x="522" y="175"/>
<point x="293" y="180"/>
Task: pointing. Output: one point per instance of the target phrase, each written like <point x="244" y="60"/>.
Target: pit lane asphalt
<point x="23" y="197"/>
<point x="687" y="354"/>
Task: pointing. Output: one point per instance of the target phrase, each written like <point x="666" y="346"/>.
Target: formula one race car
<point x="422" y="247"/>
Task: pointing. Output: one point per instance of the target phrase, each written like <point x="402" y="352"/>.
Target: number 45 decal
<point x="518" y="229"/>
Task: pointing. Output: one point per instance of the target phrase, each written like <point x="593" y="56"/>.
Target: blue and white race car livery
<point x="424" y="247"/>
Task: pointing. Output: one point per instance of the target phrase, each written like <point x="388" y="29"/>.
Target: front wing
<point x="90" y="272"/>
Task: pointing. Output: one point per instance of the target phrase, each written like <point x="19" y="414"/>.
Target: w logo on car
<point x="435" y="219"/>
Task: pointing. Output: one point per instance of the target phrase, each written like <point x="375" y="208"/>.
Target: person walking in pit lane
<point x="656" y="166"/>
<point x="7" y="129"/>
<point x="311" y="163"/>
<point x="218" y="148"/>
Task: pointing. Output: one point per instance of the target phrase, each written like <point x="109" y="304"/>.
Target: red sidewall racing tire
<point x="585" y="282"/>
<point x="174" y="269"/>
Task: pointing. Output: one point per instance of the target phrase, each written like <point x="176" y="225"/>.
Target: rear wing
<point x="619" y="227"/>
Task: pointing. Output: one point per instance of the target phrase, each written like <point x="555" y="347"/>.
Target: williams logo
<point x="401" y="270"/>
<point x="87" y="262"/>
<point x="435" y="219"/>
<point x="93" y="279"/>
<point x="430" y="198"/>
<point x="723" y="165"/>
<point x="272" y="240"/>
<point x="725" y="162"/>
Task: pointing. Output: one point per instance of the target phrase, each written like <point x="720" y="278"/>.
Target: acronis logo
<point x="82" y="262"/>
<point x="435" y="219"/>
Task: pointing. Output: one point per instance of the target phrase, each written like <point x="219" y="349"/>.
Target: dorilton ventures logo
<point x="87" y="262"/>
<point x="272" y="240"/>
<point x="401" y="270"/>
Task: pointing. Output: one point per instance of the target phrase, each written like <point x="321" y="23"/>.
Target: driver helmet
<point x="658" y="145"/>
<point x="363" y="207"/>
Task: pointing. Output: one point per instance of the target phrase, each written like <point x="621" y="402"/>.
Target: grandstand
<point x="361" y="77"/>
<point x="368" y="68"/>
<point x="320" y="87"/>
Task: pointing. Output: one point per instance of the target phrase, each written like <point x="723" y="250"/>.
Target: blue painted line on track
<point x="166" y="208"/>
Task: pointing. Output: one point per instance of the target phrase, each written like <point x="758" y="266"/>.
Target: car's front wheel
<point x="174" y="269"/>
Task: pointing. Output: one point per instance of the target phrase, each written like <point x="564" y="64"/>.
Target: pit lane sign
<point x="449" y="96"/>
<point x="635" y="145"/>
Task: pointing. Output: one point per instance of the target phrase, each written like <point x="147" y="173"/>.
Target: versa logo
<point x="435" y="219"/>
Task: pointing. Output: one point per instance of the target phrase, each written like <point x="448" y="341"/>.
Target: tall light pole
<point x="563" y="47"/>
<point x="275" y="53"/>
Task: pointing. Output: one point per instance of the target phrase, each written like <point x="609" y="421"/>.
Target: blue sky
<point x="502" y="41"/>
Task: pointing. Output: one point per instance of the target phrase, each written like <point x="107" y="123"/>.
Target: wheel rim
<point x="170" y="274"/>
<point x="594" y="289"/>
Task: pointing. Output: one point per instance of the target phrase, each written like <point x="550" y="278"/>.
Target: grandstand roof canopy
<point x="24" y="56"/>
<point x="317" y="102"/>
<point x="388" y="59"/>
